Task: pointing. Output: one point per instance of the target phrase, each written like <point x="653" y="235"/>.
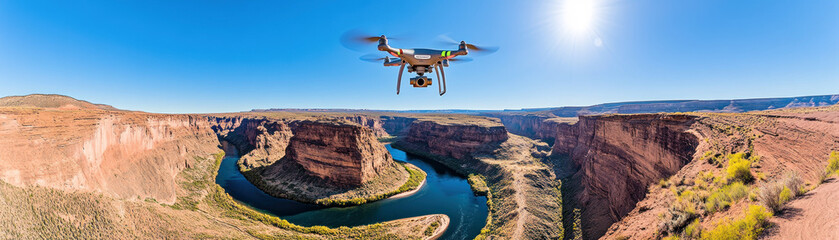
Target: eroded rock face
<point x="346" y="154"/>
<point x="619" y="156"/>
<point x="375" y="124"/>
<point x="454" y="140"/>
<point x="528" y="125"/>
<point x="260" y="141"/>
<point x="122" y="154"/>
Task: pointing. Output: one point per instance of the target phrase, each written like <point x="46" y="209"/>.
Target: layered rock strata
<point x="346" y="154"/>
<point x="460" y="141"/>
<point x="619" y="156"/>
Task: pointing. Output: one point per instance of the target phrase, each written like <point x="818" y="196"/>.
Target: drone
<point x="419" y="60"/>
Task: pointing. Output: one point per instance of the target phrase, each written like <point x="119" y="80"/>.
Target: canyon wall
<point x="375" y="124"/>
<point x="529" y="125"/>
<point x="619" y="156"/>
<point x="133" y="155"/>
<point x="260" y="141"/>
<point x="395" y="125"/>
<point x="123" y="154"/>
<point x="790" y="140"/>
<point x="346" y="154"/>
<point x="459" y="141"/>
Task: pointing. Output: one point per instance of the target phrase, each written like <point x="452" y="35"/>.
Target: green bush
<point x="785" y="196"/>
<point x="723" y="197"/>
<point x="431" y="228"/>
<point x="738" y="168"/>
<point x="833" y="162"/>
<point x="478" y="184"/>
<point x="693" y="230"/>
<point x="748" y="227"/>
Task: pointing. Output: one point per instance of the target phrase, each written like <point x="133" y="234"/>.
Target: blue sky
<point x="222" y="56"/>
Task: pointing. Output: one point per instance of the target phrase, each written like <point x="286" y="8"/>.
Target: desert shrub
<point x="677" y="217"/>
<point x="822" y="177"/>
<point x="769" y="195"/>
<point x="431" y="228"/>
<point x="738" y="168"/>
<point x="712" y="158"/>
<point x="785" y="196"/>
<point x="736" y="191"/>
<point x="723" y="197"/>
<point x="693" y="230"/>
<point x="478" y="184"/>
<point x="716" y="202"/>
<point x="793" y="181"/>
<point x="748" y="227"/>
<point x="833" y="162"/>
<point x="662" y="183"/>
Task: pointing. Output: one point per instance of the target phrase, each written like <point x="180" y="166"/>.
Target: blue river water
<point x="444" y="192"/>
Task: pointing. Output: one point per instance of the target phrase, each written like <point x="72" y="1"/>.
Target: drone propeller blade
<point x="358" y="40"/>
<point x="372" y="58"/>
<point x="446" y="40"/>
<point x="461" y="59"/>
<point x="486" y="50"/>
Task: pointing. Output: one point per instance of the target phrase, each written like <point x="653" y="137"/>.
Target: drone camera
<point x="421" y="81"/>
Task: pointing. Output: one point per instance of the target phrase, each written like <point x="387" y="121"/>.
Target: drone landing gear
<point x="399" y="79"/>
<point x="441" y="81"/>
<point x="439" y="72"/>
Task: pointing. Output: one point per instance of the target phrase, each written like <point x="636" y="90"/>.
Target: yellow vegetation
<point x="738" y="168"/>
<point x="748" y="227"/>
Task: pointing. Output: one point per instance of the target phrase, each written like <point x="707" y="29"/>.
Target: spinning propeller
<point x="373" y="58"/>
<point x="447" y="41"/>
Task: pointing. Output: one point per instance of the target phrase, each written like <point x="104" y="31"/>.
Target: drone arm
<point x="387" y="48"/>
<point x="399" y="79"/>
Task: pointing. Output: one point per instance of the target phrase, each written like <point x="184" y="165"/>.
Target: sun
<point x="578" y="16"/>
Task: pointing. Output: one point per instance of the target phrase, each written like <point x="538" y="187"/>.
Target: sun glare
<point x="578" y="16"/>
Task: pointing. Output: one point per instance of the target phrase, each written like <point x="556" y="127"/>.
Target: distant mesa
<point x="51" y="101"/>
<point x="730" y="106"/>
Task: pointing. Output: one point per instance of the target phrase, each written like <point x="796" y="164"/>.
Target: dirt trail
<point x="519" y="187"/>
<point x="813" y="216"/>
<point x="521" y="202"/>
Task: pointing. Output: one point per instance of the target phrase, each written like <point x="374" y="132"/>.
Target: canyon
<point x="103" y="172"/>
<point x="615" y="161"/>
<point x="622" y="171"/>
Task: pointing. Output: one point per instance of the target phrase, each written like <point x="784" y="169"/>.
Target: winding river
<point x="444" y="192"/>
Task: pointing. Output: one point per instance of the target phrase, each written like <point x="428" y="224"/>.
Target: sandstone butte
<point x="129" y="169"/>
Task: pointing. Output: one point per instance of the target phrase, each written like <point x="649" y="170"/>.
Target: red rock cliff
<point x="528" y="125"/>
<point x="454" y="140"/>
<point x="260" y="141"/>
<point x="346" y="154"/>
<point x="122" y="154"/>
<point x="618" y="156"/>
